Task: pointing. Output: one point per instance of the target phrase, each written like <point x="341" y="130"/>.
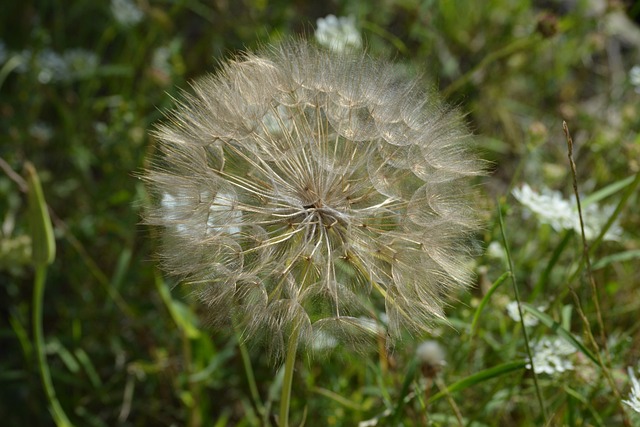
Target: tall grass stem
<point x="59" y="416"/>
<point x="285" y="396"/>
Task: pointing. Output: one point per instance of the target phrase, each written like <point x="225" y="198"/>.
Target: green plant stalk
<point x="251" y="379"/>
<point x="524" y="329"/>
<point x="59" y="416"/>
<point x="285" y="396"/>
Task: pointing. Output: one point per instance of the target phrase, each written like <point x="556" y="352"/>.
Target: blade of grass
<point x="485" y="300"/>
<point x="338" y="398"/>
<point x="555" y="256"/>
<point x="408" y="379"/>
<point x="524" y="328"/>
<point x="586" y="402"/>
<point x="619" y="257"/>
<point x="480" y="377"/>
<point x="607" y="191"/>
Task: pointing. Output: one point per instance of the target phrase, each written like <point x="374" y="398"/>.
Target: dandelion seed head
<point x="303" y="188"/>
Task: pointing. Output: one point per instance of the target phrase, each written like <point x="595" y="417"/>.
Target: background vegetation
<point x="126" y="347"/>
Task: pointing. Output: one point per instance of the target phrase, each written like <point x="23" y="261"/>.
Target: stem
<point x="251" y="379"/>
<point x="285" y="396"/>
<point x="55" y="408"/>
<point x="524" y="328"/>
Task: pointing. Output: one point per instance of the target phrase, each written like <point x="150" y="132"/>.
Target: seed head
<point x="304" y="188"/>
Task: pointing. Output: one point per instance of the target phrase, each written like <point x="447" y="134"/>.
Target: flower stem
<point x="285" y="396"/>
<point x="55" y="408"/>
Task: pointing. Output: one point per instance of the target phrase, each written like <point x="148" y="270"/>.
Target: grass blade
<point x="480" y="377"/>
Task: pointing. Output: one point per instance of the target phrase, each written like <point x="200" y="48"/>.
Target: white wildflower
<point x="41" y="131"/>
<point x="550" y="356"/>
<point x="338" y="34"/>
<point x="161" y="60"/>
<point x="431" y="353"/>
<point x="529" y="319"/>
<point x="634" y="77"/>
<point x="126" y="12"/>
<point x="551" y="208"/>
<point x="51" y="67"/>
<point x="25" y="57"/>
<point x="634" y="395"/>
<point x="496" y="250"/>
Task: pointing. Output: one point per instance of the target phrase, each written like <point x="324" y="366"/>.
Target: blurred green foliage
<point x="128" y="348"/>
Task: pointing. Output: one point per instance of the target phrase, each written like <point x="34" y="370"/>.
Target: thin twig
<point x="13" y="175"/>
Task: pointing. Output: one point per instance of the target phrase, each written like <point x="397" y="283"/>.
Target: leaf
<point x="607" y="191"/>
<point x="619" y="257"/>
<point x="485" y="300"/>
<point x="411" y="373"/>
<point x="480" y="377"/>
<point x="43" y="250"/>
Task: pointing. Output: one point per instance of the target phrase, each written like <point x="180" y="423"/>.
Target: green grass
<point x="124" y="345"/>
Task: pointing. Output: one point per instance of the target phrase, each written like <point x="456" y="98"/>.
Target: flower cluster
<point x="126" y="12"/>
<point x="514" y="313"/>
<point x="634" y="77"/>
<point x="299" y="189"/>
<point x="550" y="356"/>
<point x="339" y="34"/>
<point x="634" y="395"/>
<point x="551" y="208"/>
<point x="53" y="67"/>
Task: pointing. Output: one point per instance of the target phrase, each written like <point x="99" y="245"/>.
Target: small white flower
<point x="634" y="77"/>
<point x="634" y="394"/>
<point x="549" y="356"/>
<point x="161" y="60"/>
<point x="431" y="353"/>
<point x="338" y="34"/>
<point x="496" y="251"/>
<point x="529" y="319"/>
<point x="25" y="57"/>
<point x="51" y="67"/>
<point x="41" y="131"/>
<point x="126" y="12"/>
<point x="551" y="208"/>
